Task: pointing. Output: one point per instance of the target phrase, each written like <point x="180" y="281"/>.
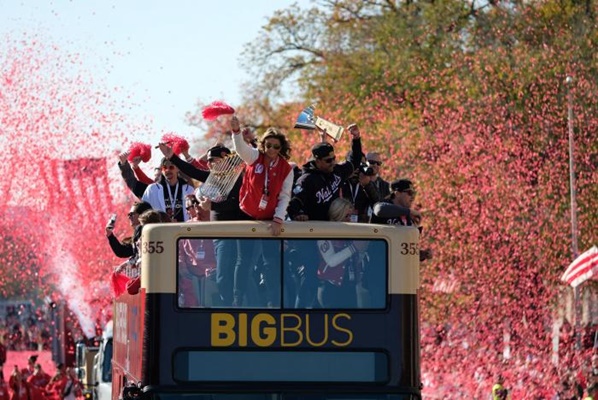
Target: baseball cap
<point x="216" y="151"/>
<point x="322" y="150"/>
<point x="402" y="185"/>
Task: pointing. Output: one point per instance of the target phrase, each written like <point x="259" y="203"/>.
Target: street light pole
<point x="574" y="247"/>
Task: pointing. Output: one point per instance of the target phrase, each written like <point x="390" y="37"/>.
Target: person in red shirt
<point x="55" y="386"/>
<point x="38" y="382"/>
<point x="30" y="369"/>
<point x="64" y="385"/>
<point x="264" y="196"/>
<point x="19" y="389"/>
<point x="4" y="393"/>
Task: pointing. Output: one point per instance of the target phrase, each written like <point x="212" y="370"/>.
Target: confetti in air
<point x="58" y="131"/>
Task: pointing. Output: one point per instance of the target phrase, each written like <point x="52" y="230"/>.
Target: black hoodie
<point x="315" y="190"/>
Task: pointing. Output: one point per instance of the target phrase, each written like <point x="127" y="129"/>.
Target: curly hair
<point x="285" y="150"/>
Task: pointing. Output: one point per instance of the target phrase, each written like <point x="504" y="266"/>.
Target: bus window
<point x="335" y="274"/>
<point x="282" y="273"/>
<point x="107" y="362"/>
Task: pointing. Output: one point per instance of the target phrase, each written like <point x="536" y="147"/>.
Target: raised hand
<point x="122" y="157"/>
<point x="353" y="131"/>
<point x="235" y="126"/>
<point x="166" y="150"/>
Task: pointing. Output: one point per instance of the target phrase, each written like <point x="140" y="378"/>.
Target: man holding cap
<point x="320" y="182"/>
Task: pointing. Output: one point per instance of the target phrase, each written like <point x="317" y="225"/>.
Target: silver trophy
<point x="307" y="120"/>
<point x="222" y="178"/>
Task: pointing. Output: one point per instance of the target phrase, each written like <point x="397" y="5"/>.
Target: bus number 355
<point x="153" y="247"/>
<point x="410" y="248"/>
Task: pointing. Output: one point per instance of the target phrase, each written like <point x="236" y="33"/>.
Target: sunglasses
<point x="168" y="167"/>
<point x="131" y="214"/>
<point x="329" y="159"/>
<point x="272" y="146"/>
<point x="372" y="162"/>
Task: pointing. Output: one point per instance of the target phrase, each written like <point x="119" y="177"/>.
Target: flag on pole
<point x="583" y="268"/>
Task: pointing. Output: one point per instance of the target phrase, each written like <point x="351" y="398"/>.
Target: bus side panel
<point x="409" y="369"/>
<point x="152" y="339"/>
<point x="128" y="337"/>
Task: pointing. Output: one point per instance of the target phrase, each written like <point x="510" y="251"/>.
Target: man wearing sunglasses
<point x="127" y="249"/>
<point x="319" y="184"/>
<point x="397" y="210"/>
<point x="169" y="193"/>
<point x="375" y="161"/>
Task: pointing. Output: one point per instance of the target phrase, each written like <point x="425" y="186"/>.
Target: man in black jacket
<point x="375" y="161"/>
<point x="321" y="180"/>
<point x="397" y="210"/>
<point x="127" y="250"/>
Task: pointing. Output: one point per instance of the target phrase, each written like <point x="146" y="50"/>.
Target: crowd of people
<point x="24" y="328"/>
<point x="271" y="188"/>
<point x="33" y="383"/>
<point x="541" y="373"/>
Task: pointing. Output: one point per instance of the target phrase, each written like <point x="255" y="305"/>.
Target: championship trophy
<point x="222" y="178"/>
<point x="307" y="120"/>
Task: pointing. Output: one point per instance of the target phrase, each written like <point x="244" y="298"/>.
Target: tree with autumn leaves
<point x="470" y="100"/>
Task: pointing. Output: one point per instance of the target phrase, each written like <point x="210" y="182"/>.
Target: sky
<point x="166" y="55"/>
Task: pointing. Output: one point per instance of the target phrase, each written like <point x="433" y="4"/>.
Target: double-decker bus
<point x="335" y="317"/>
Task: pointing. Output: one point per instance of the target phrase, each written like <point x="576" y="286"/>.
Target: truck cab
<point x="102" y="366"/>
<point x="84" y="359"/>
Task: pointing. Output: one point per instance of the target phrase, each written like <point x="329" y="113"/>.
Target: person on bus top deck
<point x="126" y="171"/>
<point x="125" y="250"/>
<point x="264" y="195"/>
<point x="397" y="210"/>
<point x="321" y="179"/>
<point x="227" y="210"/>
<point x="374" y="160"/>
<point x="362" y="193"/>
<point x="168" y="195"/>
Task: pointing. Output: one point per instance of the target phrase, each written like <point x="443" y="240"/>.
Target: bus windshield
<point x="282" y="273"/>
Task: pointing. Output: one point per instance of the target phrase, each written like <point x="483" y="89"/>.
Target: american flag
<point x="583" y="268"/>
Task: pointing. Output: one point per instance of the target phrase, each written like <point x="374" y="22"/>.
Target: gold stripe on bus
<point x="159" y="246"/>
